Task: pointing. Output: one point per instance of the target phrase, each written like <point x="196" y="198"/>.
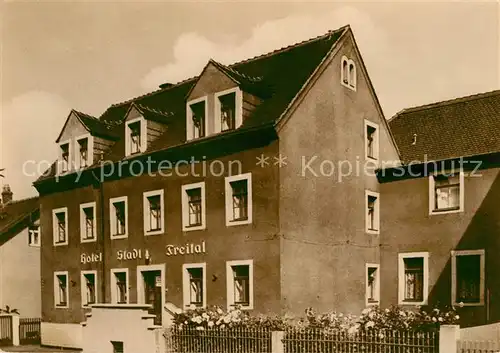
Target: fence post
<point x="15" y="329"/>
<point x="277" y="341"/>
<point x="448" y="338"/>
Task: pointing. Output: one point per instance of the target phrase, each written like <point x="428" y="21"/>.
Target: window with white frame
<point x="118" y="217"/>
<point x="84" y="145"/>
<point x="153" y="212"/>
<point x="413" y="278"/>
<point x="446" y="192"/>
<point x="240" y="284"/>
<point x="348" y="73"/>
<point x="228" y="110"/>
<point x="371" y="140"/>
<point x="60" y="226"/>
<point x="88" y="287"/>
<point x="194" y="284"/>
<point x="196" y="123"/>
<point x="238" y="190"/>
<point x="34" y="235"/>
<point x="64" y="163"/>
<point x="135" y="136"/>
<point x="88" y="226"/>
<point x="468" y="272"/>
<point x="193" y="206"/>
<point x="119" y="290"/>
<point x="372" y="284"/>
<point x="372" y="213"/>
<point x="61" y="296"/>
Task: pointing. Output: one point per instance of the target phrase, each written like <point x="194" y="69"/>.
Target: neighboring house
<point x="440" y="217"/>
<point x="20" y="255"/>
<point x="220" y="222"/>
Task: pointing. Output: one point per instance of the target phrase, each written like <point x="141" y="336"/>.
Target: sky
<point x="56" y="56"/>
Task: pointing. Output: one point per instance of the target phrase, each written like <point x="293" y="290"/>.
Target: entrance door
<point x="152" y="293"/>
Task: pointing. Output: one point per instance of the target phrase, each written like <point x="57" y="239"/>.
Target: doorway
<point x="151" y="289"/>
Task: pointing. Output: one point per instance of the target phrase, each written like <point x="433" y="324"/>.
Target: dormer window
<point x="83" y="145"/>
<point x="84" y="151"/>
<point x="135" y="136"/>
<point x="348" y="73"/>
<point x="198" y="113"/>
<point x="227" y="111"/>
<point x="65" y="157"/>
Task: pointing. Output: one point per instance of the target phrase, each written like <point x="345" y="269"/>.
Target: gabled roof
<point x="93" y="125"/>
<point x="279" y="76"/>
<point x="17" y="215"/>
<point x="152" y="114"/>
<point x="461" y="127"/>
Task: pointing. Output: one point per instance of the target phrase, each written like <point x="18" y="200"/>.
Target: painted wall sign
<point x="129" y="254"/>
<point x="172" y="250"/>
<point x="90" y="258"/>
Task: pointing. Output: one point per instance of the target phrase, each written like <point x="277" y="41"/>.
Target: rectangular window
<point x="117" y="346"/>
<point x="153" y="212"/>
<point x="119" y="291"/>
<point x="60" y="226"/>
<point x="238" y="199"/>
<point x="83" y="145"/>
<point x="65" y="157"/>
<point x="135" y="137"/>
<point x="89" y="287"/>
<point x="194" y="284"/>
<point x="193" y="206"/>
<point x="88" y="227"/>
<point x="372" y="212"/>
<point x="61" y="297"/>
<point x="228" y="111"/>
<point x="34" y="235"/>
<point x="198" y="119"/>
<point x="413" y="278"/>
<point x="240" y="284"/>
<point x="468" y="277"/>
<point x="446" y="192"/>
<point x="118" y="217"/>
<point x="372" y="284"/>
<point x="371" y="140"/>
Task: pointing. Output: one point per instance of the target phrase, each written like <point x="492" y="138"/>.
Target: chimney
<point x="166" y="85"/>
<point x="6" y="194"/>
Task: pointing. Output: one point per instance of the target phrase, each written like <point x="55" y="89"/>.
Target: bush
<point x="372" y="318"/>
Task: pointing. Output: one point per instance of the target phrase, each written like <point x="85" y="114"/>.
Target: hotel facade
<point x="224" y="189"/>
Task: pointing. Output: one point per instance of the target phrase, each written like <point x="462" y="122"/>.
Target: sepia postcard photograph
<point x="249" y="176"/>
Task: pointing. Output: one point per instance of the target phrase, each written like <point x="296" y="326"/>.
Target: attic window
<point x="65" y="157"/>
<point x="83" y="145"/>
<point x="135" y="137"/>
<point x="227" y="111"/>
<point x="348" y="73"/>
<point x="198" y="117"/>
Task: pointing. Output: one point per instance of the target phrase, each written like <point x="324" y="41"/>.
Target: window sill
<point x="347" y="85"/>
<point x="34" y="245"/>
<point x="61" y="306"/>
<point x="240" y="306"/>
<point x="153" y="232"/>
<point x="193" y="227"/>
<point x="230" y="223"/>
<point x="372" y="231"/>
<point x="412" y="302"/>
<point x="61" y="244"/>
<point x="445" y="211"/>
<point x="90" y="240"/>
<point x="372" y="302"/>
<point x="119" y="236"/>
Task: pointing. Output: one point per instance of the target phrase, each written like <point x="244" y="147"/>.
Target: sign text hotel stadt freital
<point x="133" y="254"/>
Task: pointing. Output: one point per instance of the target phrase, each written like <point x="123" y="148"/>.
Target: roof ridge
<point x="261" y="56"/>
<point x="153" y="110"/>
<point x="447" y="102"/>
<point x="291" y="46"/>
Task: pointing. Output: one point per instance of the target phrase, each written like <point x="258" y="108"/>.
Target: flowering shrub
<point x="372" y="318"/>
<point x="215" y="317"/>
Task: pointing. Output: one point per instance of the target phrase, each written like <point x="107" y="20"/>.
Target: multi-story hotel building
<point x="242" y="186"/>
